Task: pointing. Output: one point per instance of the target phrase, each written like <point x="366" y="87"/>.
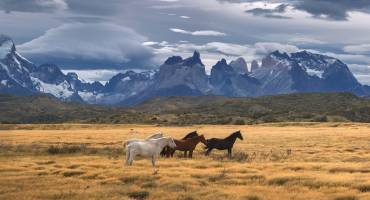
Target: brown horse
<point x="187" y="145"/>
<point x="166" y="150"/>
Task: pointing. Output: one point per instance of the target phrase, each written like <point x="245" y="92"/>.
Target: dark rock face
<point x="254" y="66"/>
<point x="239" y="65"/>
<point x="226" y="81"/>
<point x="49" y="73"/>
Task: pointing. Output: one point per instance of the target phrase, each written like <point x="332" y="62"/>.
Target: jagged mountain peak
<point x="222" y="66"/>
<point x="195" y="59"/>
<point x="239" y="65"/>
<point x="254" y="66"/>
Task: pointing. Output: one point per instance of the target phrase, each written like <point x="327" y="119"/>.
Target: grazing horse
<point x="154" y="136"/>
<point x="187" y="145"/>
<point x="223" y="144"/>
<point x="147" y="148"/>
<point x="167" y="150"/>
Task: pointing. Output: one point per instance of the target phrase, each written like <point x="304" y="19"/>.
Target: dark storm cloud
<point x="323" y="9"/>
<point x="270" y="13"/>
<point x="333" y="9"/>
<point x="95" y="7"/>
<point x="32" y="5"/>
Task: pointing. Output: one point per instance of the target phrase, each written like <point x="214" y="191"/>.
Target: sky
<point x="118" y="35"/>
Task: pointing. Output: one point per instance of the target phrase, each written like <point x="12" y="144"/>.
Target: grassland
<point x="274" y="161"/>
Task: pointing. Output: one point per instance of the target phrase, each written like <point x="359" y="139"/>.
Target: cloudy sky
<point x="116" y="35"/>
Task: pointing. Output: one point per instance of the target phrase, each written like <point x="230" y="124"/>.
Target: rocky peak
<point x="254" y="66"/>
<point x="195" y="59"/>
<point x="239" y="65"/>
<point x="222" y="66"/>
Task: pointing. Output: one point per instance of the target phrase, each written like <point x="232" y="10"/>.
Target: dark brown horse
<point x="167" y="150"/>
<point x="223" y="144"/>
<point x="186" y="146"/>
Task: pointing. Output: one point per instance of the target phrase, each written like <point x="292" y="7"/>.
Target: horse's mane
<point x="232" y="135"/>
<point x="194" y="133"/>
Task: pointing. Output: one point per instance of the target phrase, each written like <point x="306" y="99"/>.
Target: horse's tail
<point x="124" y="144"/>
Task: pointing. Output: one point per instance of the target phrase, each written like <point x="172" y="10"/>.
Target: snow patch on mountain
<point x="4" y="82"/>
<point x="58" y="90"/>
<point x="313" y="72"/>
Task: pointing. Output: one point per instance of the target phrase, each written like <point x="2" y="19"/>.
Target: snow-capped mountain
<point x="305" y="72"/>
<point x="20" y="76"/>
<point x="279" y="73"/>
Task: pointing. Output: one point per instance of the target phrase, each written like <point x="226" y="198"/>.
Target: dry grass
<point x="277" y="161"/>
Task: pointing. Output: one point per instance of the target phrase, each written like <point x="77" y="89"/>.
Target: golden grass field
<point x="274" y="161"/>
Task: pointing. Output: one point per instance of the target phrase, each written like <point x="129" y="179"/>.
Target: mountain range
<point x="278" y="73"/>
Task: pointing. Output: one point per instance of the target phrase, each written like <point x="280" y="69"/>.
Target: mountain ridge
<point x="279" y="73"/>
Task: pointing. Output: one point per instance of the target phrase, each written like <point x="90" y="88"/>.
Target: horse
<point x="223" y="144"/>
<point x="147" y="148"/>
<point x="166" y="150"/>
<point x="154" y="136"/>
<point x="186" y="145"/>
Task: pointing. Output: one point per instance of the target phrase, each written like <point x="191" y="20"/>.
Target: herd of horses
<point x="158" y="144"/>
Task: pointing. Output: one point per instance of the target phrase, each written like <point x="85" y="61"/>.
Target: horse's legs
<point x="229" y="152"/>
<point x="185" y="152"/>
<point x="208" y="151"/>
<point x="131" y="158"/>
<point x="191" y="154"/>
<point x="153" y="164"/>
<point x="127" y="156"/>
<point x="172" y="152"/>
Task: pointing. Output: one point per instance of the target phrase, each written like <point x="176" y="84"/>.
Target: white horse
<point x="154" y="136"/>
<point x="148" y="148"/>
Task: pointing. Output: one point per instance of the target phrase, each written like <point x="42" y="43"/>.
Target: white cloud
<point x="89" y="41"/>
<point x="198" y="33"/>
<point x="185" y="17"/>
<point x="361" y="48"/>
<point x="361" y="72"/>
<point x="306" y="40"/>
<point x="92" y="75"/>
<point x="149" y="43"/>
<point x="267" y="47"/>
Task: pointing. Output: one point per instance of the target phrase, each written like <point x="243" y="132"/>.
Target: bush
<point x="252" y="197"/>
<point x="320" y="118"/>
<point x="364" y="188"/>
<point x="346" y="198"/>
<point x="139" y="195"/>
<point x="65" y="149"/>
<point x="239" y="122"/>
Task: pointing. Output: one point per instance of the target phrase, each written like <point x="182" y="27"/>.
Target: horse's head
<point x="171" y="143"/>
<point x="239" y="135"/>
<point x="203" y="139"/>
